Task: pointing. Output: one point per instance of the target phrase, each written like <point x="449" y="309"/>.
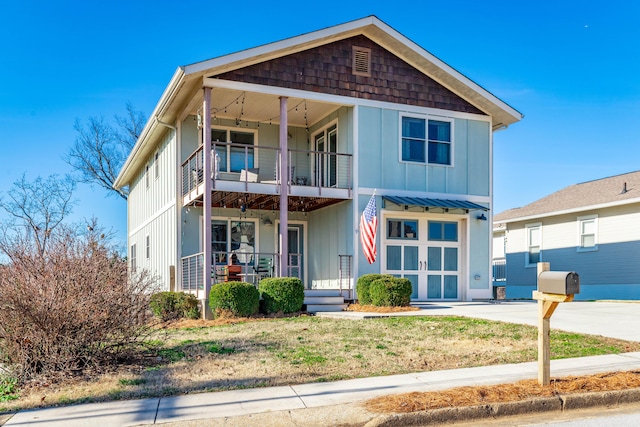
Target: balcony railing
<point x="249" y="163"/>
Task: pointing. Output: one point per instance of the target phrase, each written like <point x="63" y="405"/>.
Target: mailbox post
<point x="553" y="287"/>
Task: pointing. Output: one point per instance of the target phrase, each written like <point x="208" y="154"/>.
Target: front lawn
<point x="274" y="352"/>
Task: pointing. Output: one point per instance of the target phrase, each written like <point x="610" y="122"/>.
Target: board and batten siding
<point x="611" y="271"/>
<point x="331" y="233"/>
<point x="152" y="212"/>
<point x="381" y="167"/>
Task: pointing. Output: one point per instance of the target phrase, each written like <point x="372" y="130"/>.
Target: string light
<point x="240" y="100"/>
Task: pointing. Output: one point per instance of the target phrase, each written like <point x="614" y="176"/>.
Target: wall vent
<point x="361" y="61"/>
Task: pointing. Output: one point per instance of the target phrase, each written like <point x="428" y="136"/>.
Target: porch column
<point x="284" y="189"/>
<point x="206" y="199"/>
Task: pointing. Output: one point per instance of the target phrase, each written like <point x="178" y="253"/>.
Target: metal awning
<point x="435" y="203"/>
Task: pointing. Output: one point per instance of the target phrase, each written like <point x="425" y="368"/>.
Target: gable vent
<point x="361" y="61"/>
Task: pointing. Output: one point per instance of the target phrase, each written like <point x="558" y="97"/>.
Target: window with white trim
<point x="533" y="254"/>
<point x="587" y="233"/>
<point x="132" y="258"/>
<point x="240" y="155"/>
<point x="148" y="246"/>
<point x="156" y="163"/>
<point x="426" y="140"/>
<point x="233" y="238"/>
<point x="146" y="175"/>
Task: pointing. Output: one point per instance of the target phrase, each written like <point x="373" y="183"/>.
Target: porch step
<point x="327" y="292"/>
<point x="315" y="308"/>
<point x="324" y="300"/>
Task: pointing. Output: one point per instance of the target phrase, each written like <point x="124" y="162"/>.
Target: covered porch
<point x="262" y="162"/>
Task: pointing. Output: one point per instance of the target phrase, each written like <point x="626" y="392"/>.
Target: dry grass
<point x="197" y="356"/>
<point x="483" y="395"/>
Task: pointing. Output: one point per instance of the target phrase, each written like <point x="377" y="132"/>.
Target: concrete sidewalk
<point x="333" y="403"/>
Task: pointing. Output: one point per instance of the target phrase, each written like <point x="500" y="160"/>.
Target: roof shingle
<point x="583" y="195"/>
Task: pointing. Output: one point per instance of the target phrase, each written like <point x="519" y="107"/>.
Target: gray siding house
<point x="592" y="228"/>
<point x="267" y="157"/>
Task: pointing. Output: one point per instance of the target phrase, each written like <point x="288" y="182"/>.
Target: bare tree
<point x="35" y="210"/>
<point x="75" y="307"/>
<point x="101" y="148"/>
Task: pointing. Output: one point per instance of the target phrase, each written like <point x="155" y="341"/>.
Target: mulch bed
<point x="482" y="395"/>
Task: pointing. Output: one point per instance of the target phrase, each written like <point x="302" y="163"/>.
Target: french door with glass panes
<point x="427" y="252"/>
<point x="326" y="162"/>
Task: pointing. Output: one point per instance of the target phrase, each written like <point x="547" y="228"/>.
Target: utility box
<point x="559" y="282"/>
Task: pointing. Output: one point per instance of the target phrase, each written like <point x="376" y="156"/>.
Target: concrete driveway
<point x="610" y="319"/>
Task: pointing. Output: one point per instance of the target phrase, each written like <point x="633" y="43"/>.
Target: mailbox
<point x="559" y="282"/>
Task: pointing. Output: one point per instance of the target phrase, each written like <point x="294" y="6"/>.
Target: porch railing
<point x="253" y="266"/>
<point x="249" y="163"/>
<point x="499" y="270"/>
<point x="192" y="273"/>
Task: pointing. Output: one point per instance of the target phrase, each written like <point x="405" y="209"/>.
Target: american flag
<point x="368" y="228"/>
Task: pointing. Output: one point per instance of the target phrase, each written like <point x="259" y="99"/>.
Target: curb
<point x="558" y="403"/>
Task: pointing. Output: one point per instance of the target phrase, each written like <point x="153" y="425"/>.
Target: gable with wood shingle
<point x="329" y="69"/>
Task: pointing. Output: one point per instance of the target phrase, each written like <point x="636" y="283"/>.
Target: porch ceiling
<point x="253" y="201"/>
<point x="244" y="107"/>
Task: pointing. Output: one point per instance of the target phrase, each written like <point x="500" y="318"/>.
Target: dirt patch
<point x="482" y="395"/>
<point x="375" y="309"/>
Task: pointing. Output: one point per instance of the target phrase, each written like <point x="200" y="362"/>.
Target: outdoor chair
<point x="264" y="268"/>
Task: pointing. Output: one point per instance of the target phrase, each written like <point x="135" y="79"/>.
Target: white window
<point x="146" y="175"/>
<point x="233" y="241"/>
<point x="587" y="233"/>
<point x="533" y="254"/>
<point x="426" y="140"/>
<point x="148" y="247"/>
<point x="132" y="257"/>
<point x="237" y="153"/>
<point x="325" y="165"/>
<point x="156" y="164"/>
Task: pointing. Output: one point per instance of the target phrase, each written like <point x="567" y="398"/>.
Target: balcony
<point x="318" y="177"/>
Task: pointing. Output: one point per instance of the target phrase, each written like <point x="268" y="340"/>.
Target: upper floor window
<point x="156" y="164"/>
<point x="237" y="156"/>
<point x="426" y="140"/>
<point x="146" y="175"/>
<point x="326" y="164"/>
<point x="534" y="244"/>
<point x="588" y="233"/>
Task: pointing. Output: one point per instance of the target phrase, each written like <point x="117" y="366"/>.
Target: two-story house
<point x="591" y="228"/>
<point x="266" y="158"/>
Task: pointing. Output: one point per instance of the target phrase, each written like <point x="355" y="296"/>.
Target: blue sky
<point x="571" y="67"/>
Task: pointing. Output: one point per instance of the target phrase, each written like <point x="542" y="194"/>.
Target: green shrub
<point x="285" y="294"/>
<point x="390" y="292"/>
<point x="363" y="285"/>
<point x="239" y="298"/>
<point x="174" y="305"/>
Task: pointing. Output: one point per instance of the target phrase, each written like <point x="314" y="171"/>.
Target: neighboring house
<point x="296" y="136"/>
<point x="592" y="228"/>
